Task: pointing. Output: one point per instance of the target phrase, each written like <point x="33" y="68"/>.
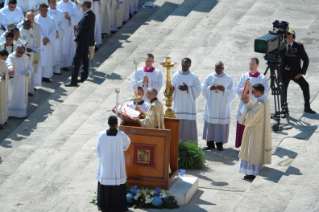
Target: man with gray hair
<point x="10" y="27"/>
<point x="219" y="90"/>
<point x="154" y="117"/>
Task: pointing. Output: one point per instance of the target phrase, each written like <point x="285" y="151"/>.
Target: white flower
<point x="152" y="193"/>
<point x="163" y="195"/>
<point x="136" y="196"/>
<point x="147" y="201"/>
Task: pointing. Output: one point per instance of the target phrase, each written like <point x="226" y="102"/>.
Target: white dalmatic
<point x="184" y="103"/>
<point x="97" y="30"/>
<point x="60" y="24"/>
<point x="15" y="16"/>
<point x="68" y="45"/>
<point x="18" y="88"/>
<point x="155" y="80"/>
<point x="218" y="106"/>
<point x="253" y="80"/>
<point x="45" y="65"/>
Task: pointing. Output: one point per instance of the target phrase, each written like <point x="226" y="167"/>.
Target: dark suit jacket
<point x="295" y="62"/>
<point x="85" y="30"/>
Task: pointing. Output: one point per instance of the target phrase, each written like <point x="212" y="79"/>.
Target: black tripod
<point x="277" y="90"/>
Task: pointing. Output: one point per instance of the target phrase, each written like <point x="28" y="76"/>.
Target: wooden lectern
<point x="151" y="153"/>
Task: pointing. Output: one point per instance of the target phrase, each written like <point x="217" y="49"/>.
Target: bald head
<point x="30" y="15"/>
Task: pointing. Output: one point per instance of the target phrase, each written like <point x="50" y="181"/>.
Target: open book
<point x="246" y="87"/>
<point x="127" y="112"/>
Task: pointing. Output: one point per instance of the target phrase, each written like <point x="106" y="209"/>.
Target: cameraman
<point x="292" y="70"/>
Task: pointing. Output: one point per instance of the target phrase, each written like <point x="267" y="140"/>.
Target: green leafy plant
<point x="190" y="156"/>
<point x="94" y="200"/>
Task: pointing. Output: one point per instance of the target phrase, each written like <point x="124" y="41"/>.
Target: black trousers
<point x="303" y="85"/>
<point x="81" y="55"/>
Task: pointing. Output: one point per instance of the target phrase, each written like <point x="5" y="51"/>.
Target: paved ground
<point x="48" y="162"/>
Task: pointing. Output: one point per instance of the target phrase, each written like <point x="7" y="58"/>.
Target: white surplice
<point x="60" y="24"/>
<point x="184" y="104"/>
<point x="18" y="93"/>
<point x="46" y="52"/>
<point x="68" y="45"/>
<point x="105" y="17"/>
<point x="10" y="49"/>
<point x="97" y="30"/>
<point x="15" y="16"/>
<point x="3" y="92"/>
<point x="253" y="80"/>
<point x="155" y="81"/>
<point x="110" y="151"/>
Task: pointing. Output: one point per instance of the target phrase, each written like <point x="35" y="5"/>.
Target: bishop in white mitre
<point x="29" y="38"/>
<point x="18" y="88"/>
<point x="105" y="17"/>
<point x="147" y="77"/>
<point x="186" y="91"/>
<point x="12" y="15"/>
<point x="71" y="13"/>
<point x="46" y="48"/>
<point x="255" y="77"/>
<point x="60" y="24"/>
<point x="96" y="5"/>
<point x="4" y="78"/>
<point x="219" y="90"/>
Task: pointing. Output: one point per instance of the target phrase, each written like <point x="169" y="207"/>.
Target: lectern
<point x="151" y="154"/>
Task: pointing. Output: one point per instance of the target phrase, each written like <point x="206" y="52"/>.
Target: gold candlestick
<point x="169" y="88"/>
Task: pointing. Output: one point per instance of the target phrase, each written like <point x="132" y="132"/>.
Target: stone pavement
<point x="48" y="162"/>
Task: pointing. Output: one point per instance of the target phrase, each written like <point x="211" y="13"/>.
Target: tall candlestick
<point x="136" y="80"/>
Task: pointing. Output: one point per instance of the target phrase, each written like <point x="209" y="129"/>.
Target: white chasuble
<point x="218" y="106"/>
<point x="3" y="91"/>
<point x="46" y="52"/>
<point x="68" y="44"/>
<point x="28" y="38"/>
<point x="18" y="88"/>
<point x="155" y="80"/>
<point x="253" y="80"/>
<point x="184" y="103"/>
<point x="96" y="5"/>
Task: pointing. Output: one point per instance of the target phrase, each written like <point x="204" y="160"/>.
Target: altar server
<point x="4" y="77"/>
<point x="141" y="104"/>
<point x="8" y="45"/>
<point x="12" y="13"/>
<point x="96" y="5"/>
<point x="254" y="77"/>
<point x="60" y="24"/>
<point x="71" y="13"/>
<point x="21" y="65"/>
<point x="105" y="17"/>
<point x="256" y="145"/>
<point x="46" y="49"/>
<point x="186" y="91"/>
<point x="148" y="76"/>
<point x="111" y="174"/>
<point x="219" y="90"/>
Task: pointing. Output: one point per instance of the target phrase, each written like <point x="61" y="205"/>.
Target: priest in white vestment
<point x="105" y="17"/>
<point x="126" y="16"/>
<point x="12" y="14"/>
<point x="186" y="91"/>
<point x="140" y="104"/>
<point x="18" y="92"/>
<point x="60" y="24"/>
<point x="111" y="174"/>
<point x="4" y="78"/>
<point x="256" y="145"/>
<point x="147" y="77"/>
<point x="16" y="37"/>
<point x="46" y="49"/>
<point x="8" y="45"/>
<point x="29" y="38"/>
<point x="133" y="7"/>
<point x="219" y="90"/>
<point x="96" y="5"/>
<point x="114" y="8"/>
<point x="28" y="5"/>
<point x="120" y="13"/>
<point x="254" y="77"/>
<point x="71" y="14"/>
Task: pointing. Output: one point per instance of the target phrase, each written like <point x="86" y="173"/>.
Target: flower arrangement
<point x="160" y="198"/>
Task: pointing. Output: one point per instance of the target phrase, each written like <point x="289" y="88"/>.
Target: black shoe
<point x="1" y="127"/>
<point x="30" y="94"/>
<point x="219" y="146"/>
<point x="81" y="80"/>
<point x="57" y="73"/>
<point x="46" y="80"/>
<point x="210" y="145"/>
<point x="96" y="49"/>
<point x="71" y="85"/>
<point x="309" y="110"/>
<point x="249" y="177"/>
<point x="65" y="69"/>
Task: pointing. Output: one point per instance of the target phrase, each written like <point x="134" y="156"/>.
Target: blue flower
<point x="129" y="197"/>
<point x="181" y="172"/>
<point x="157" y="201"/>
<point x="174" y="201"/>
<point x="134" y="190"/>
<point x="158" y="191"/>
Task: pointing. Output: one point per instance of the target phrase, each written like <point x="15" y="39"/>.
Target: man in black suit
<point x="292" y="69"/>
<point x="84" y="39"/>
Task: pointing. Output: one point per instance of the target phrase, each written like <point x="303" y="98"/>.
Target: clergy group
<point x="37" y="42"/>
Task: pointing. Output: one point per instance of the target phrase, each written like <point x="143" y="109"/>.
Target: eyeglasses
<point x="21" y="52"/>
